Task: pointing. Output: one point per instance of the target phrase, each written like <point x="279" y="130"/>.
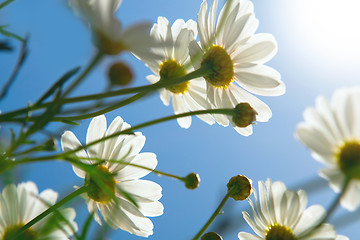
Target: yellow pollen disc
<point x="108" y="46"/>
<point x="277" y="232"/>
<point x="348" y="158"/>
<point x="96" y="191"/>
<point x="169" y="70"/>
<point x="221" y="65"/>
<point x="12" y="233"/>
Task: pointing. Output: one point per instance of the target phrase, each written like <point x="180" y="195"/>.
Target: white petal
<point x="247" y="236"/>
<point x="147" y="160"/>
<point x="177" y="27"/>
<point x="70" y="142"/>
<point x="203" y="26"/>
<point x="142" y="190"/>
<point x="261" y="80"/>
<point x="310" y="218"/>
<point x="259" y="49"/>
<point x="179" y="106"/>
<point x="335" y="177"/>
<point x="109" y="145"/>
<point x="315" y="140"/>
<point x="351" y="198"/>
<point x="325" y="231"/>
<point x="96" y="131"/>
<point x="181" y="49"/>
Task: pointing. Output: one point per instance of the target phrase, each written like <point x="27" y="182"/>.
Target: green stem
<point x="102" y="111"/>
<point x="86" y="226"/>
<point x="227" y="111"/>
<point x="53" y="208"/>
<point x="91" y="65"/>
<point x="142" y="89"/>
<point x="150" y="169"/>
<point x="213" y="216"/>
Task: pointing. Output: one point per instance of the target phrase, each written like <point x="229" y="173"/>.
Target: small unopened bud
<point x="211" y="236"/>
<point x="239" y="187"/>
<point x="120" y="74"/>
<point x="192" y="181"/>
<point x="244" y="115"/>
<point x="50" y="145"/>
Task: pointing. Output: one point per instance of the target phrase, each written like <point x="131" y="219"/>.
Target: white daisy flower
<point x="22" y="203"/>
<point x="236" y="57"/>
<point x="175" y="62"/>
<point x="109" y="36"/>
<point x="279" y="213"/>
<point x="125" y="148"/>
<point x="332" y="132"/>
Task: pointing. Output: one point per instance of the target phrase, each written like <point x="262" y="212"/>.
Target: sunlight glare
<point x="330" y="27"/>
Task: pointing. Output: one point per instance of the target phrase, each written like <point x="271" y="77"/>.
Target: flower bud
<point x="50" y="145"/>
<point x="239" y="187"/>
<point x="192" y="181"/>
<point x="211" y="236"/>
<point x="244" y="115"/>
<point x="120" y="74"/>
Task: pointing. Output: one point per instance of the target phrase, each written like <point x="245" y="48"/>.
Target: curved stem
<point x="227" y="111"/>
<point x="213" y="216"/>
<point x="142" y="89"/>
<point x="53" y="208"/>
<point x="102" y="111"/>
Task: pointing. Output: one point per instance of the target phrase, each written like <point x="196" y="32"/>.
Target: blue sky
<point x="311" y="58"/>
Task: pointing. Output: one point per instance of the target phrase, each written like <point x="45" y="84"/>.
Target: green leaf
<point x="10" y="34"/>
<point x="5" y="3"/>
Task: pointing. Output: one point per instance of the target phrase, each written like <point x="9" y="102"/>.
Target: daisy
<point x="109" y="36"/>
<point x="236" y="57"/>
<point x="282" y="214"/>
<point x="332" y="132"/>
<point x="22" y="203"/>
<point x="118" y="212"/>
<point x="174" y="62"/>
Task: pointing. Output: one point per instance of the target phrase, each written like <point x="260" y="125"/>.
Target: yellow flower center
<point x="108" y="46"/>
<point x="222" y="68"/>
<point x="12" y="233"/>
<point x="170" y="70"/>
<point x="99" y="191"/>
<point x="348" y="158"/>
<point x="277" y="232"/>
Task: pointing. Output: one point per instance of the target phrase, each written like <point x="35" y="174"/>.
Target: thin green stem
<point x="142" y="89"/>
<point x="226" y="111"/>
<point x="53" y="208"/>
<point x="150" y="169"/>
<point x="98" y="56"/>
<point x="213" y="216"/>
<point x="102" y="111"/>
<point x="86" y="227"/>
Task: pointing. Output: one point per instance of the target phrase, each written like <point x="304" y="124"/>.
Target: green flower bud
<point x="50" y="145"/>
<point x="244" y="115"/>
<point x="239" y="187"/>
<point x="192" y="181"/>
<point x="120" y="74"/>
<point x="211" y="236"/>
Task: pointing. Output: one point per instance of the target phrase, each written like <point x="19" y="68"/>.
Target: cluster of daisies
<point x="232" y="57"/>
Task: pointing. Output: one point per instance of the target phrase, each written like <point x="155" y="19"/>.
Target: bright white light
<point x="330" y="27"/>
